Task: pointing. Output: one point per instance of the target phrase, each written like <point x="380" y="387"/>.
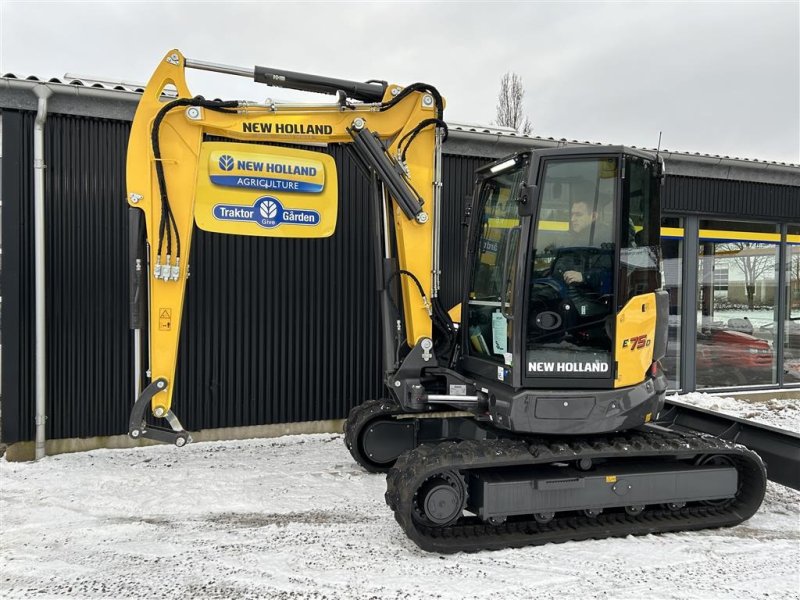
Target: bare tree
<point x="754" y="260"/>
<point x="509" y="109"/>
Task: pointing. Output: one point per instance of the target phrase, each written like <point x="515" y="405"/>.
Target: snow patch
<point x="783" y="413"/>
<point x="295" y="517"/>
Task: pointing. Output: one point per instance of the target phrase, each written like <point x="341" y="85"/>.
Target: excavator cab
<point x="563" y="309"/>
<point x="563" y="319"/>
<point x="563" y="325"/>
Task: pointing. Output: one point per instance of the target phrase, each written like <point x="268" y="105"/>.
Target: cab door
<point x="568" y="338"/>
<point x="497" y="234"/>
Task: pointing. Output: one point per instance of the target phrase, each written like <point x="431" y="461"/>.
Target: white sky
<point x="718" y="78"/>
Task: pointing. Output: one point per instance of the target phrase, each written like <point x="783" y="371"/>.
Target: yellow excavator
<point x="524" y="415"/>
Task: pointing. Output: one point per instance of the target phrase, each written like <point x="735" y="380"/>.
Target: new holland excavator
<point x="525" y="417"/>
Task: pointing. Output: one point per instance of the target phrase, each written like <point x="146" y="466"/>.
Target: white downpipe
<point x="42" y="92"/>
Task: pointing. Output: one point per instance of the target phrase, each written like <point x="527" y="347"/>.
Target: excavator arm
<point x="251" y="183"/>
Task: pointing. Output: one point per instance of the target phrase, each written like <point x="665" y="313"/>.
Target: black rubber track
<point x="359" y="418"/>
<point x="471" y="534"/>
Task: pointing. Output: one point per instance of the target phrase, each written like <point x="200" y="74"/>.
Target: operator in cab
<point x="573" y="276"/>
<point x="582" y="220"/>
<point x="585" y="263"/>
<point x="588" y="229"/>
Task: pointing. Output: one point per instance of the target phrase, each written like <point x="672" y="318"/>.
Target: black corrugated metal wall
<point x="16" y="284"/>
<point x="458" y="176"/>
<point x="88" y="355"/>
<point x="282" y="330"/>
<point x="274" y="331"/>
<point x="734" y="199"/>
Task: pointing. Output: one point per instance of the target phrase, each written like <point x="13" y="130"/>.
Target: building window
<point x="737" y="304"/>
<point x="672" y="261"/>
<point x="791" y="342"/>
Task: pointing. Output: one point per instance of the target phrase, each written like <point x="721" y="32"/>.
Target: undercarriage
<point x="456" y="483"/>
<point x="488" y="495"/>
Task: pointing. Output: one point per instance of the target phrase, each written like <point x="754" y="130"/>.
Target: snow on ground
<point x="778" y="412"/>
<point x="296" y="518"/>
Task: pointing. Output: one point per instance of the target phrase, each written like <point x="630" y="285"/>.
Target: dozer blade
<point x="778" y="448"/>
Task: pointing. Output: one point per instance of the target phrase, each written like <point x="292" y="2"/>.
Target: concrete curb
<point x="24" y="451"/>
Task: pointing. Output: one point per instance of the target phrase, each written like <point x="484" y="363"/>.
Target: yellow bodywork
<point x="188" y="164"/>
<point x="636" y="326"/>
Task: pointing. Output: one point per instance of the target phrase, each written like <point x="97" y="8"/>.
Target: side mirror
<point x="528" y="199"/>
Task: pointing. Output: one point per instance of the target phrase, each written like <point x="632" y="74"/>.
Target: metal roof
<point x="69" y="79"/>
<point x="511" y="133"/>
<point x="118" y="99"/>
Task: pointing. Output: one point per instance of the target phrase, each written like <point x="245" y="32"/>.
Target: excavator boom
<point x="247" y="182"/>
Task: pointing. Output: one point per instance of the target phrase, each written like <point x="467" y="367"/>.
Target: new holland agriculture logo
<point x="267" y="212"/>
<point x="269" y="172"/>
<point x="226" y="162"/>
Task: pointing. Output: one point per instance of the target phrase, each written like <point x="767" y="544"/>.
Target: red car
<point x="726" y="357"/>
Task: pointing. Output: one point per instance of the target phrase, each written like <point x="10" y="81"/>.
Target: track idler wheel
<point x="441" y="499"/>
<point x="719" y="460"/>
<point x="358" y="425"/>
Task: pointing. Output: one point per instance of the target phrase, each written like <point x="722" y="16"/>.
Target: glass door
<point x="737" y="283"/>
<point x="672" y="254"/>
<point x="571" y="308"/>
<point x="495" y="244"/>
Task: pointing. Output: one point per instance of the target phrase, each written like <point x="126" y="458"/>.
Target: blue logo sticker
<point x="265" y="183"/>
<point x="267" y="212"/>
<point x="226" y="162"/>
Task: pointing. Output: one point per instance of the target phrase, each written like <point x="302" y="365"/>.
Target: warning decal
<point x="165" y="319"/>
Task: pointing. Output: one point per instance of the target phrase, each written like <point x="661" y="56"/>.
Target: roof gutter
<point x="69" y="99"/>
<point x="69" y="89"/>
